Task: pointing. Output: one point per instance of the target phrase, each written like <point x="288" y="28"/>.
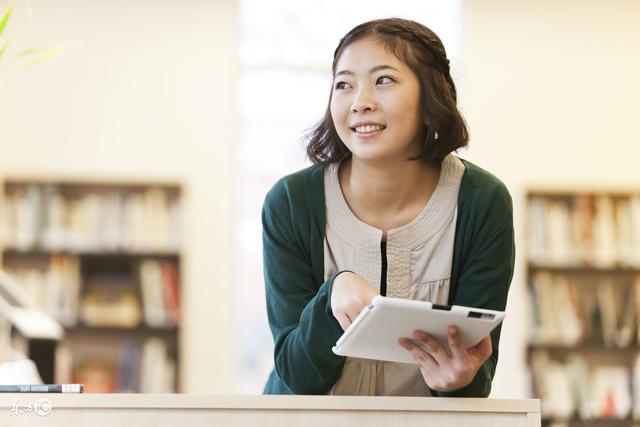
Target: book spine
<point x="42" y="388"/>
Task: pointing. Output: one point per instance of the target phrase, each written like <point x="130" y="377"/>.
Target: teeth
<point x="369" y="128"/>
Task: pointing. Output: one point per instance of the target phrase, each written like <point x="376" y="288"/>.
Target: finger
<point x="356" y="304"/>
<point x="405" y="343"/>
<point x="433" y="347"/>
<point x="343" y="320"/>
<point x="353" y="312"/>
<point x="482" y="350"/>
<point x="427" y="365"/>
<point x="423" y="358"/>
<point x="455" y="342"/>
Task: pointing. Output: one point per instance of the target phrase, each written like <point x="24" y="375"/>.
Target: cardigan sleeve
<point x="298" y="308"/>
<point x="485" y="272"/>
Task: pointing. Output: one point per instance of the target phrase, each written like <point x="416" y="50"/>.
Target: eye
<point x="383" y="80"/>
<point x="342" y="85"/>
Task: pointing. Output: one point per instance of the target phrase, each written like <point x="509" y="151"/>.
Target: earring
<point x="436" y="136"/>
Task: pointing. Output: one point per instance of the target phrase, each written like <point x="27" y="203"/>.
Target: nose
<point x="363" y="101"/>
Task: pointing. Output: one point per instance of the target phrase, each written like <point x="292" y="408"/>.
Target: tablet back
<point x="375" y="332"/>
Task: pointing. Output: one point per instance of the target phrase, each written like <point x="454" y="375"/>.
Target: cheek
<point x="340" y="117"/>
<point x="337" y="113"/>
<point x="410" y="112"/>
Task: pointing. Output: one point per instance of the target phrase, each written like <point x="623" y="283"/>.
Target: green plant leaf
<point x="3" y="48"/>
<point x="30" y="51"/>
<point x="5" y="18"/>
<point x="48" y="54"/>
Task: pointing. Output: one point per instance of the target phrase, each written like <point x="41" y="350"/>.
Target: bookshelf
<point x="583" y="280"/>
<point x="103" y="258"/>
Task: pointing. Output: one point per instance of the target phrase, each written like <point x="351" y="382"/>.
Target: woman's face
<point x="375" y="103"/>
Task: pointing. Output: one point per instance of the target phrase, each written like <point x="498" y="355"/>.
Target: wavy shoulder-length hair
<point x="423" y="52"/>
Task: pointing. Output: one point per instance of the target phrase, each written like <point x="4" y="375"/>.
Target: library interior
<point x="138" y="141"/>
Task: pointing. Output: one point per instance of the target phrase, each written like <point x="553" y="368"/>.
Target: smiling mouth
<point x="364" y="129"/>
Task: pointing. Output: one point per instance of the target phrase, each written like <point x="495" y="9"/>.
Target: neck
<point x="389" y="194"/>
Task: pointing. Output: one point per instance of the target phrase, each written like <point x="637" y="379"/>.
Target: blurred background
<point x="138" y="139"/>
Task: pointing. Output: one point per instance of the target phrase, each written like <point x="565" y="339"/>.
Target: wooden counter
<point x="160" y="410"/>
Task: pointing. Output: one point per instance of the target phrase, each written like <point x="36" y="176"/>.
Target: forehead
<point x="366" y="53"/>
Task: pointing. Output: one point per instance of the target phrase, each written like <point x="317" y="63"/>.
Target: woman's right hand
<point x="349" y="295"/>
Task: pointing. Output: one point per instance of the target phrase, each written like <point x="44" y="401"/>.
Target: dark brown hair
<point x="422" y="51"/>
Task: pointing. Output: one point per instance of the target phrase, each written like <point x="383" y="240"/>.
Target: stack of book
<point x="105" y="298"/>
<point x="571" y="310"/>
<point x="160" y="293"/>
<point x="584" y="229"/>
<point x="58" y="218"/>
<point x="140" y="366"/>
<point x="54" y="286"/>
<point x="577" y="389"/>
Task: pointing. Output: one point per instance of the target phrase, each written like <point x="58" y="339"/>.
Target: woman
<point x="386" y="209"/>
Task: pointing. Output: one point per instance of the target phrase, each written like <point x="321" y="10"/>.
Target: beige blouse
<point x="419" y="257"/>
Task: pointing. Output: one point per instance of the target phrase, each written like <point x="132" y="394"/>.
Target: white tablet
<point x="375" y="332"/>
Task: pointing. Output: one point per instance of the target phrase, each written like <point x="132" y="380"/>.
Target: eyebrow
<point x="373" y="70"/>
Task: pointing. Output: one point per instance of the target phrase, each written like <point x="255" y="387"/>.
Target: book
<point x="42" y="388"/>
<point x="553" y="384"/>
<point x="63" y="364"/>
<point x="69" y="217"/>
<point x="583" y="228"/>
<point x="604" y="232"/>
<point x="571" y="331"/>
<point x="635" y="383"/>
<point x="624" y="233"/>
<point x="157" y="371"/>
<point x="607" y="303"/>
<point x="5" y="340"/>
<point x="110" y="301"/>
<point x="611" y="391"/>
<point x="559" y="237"/>
<point x="128" y="367"/>
<point x="580" y="378"/>
<point x="548" y="330"/>
<point x="626" y="322"/>
<point x="153" y="294"/>
<point x="537" y="231"/>
<point x="171" y="291"/>
<point x="634" y="207"/>
<point x="98" y="374"/>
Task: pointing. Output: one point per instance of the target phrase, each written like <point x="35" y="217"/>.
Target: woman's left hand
<point x="443" y="371"/>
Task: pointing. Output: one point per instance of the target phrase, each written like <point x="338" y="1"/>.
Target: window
<point x="286" y="49"/>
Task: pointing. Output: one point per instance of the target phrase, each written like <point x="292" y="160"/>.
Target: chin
<point x="372" y="156"/>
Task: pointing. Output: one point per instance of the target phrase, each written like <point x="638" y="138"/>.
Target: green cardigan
<point x="298" y="296"/>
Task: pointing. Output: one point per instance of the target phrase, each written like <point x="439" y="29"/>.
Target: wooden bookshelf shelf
<point x="138" y="330"/>
<point x="588" y="270"/>
<point x="591" y="355"/>
<point x="102" y="257"/>
<point x="596" y="422"/>
<point x="587" y="347"/>
<point x="40" y="252"/>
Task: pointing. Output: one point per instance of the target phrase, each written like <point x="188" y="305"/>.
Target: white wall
<point x="146" y="90"/>
<point x="551" y="95"/>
